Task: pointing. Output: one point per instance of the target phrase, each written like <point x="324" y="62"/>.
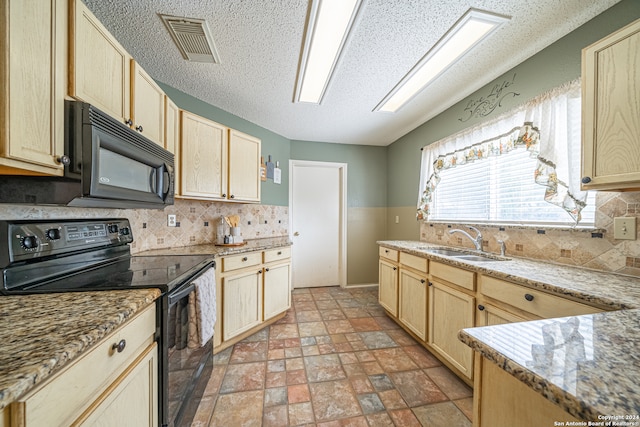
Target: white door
<point x="317" y="219"/>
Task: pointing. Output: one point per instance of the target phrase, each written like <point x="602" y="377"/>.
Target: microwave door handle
<point x="166" y="184"/>
<point x="153" y="184"/>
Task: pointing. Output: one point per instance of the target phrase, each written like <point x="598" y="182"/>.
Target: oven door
<point x="189" y="369"/>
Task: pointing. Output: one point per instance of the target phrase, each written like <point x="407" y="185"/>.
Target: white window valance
<point x="542" y="126"/>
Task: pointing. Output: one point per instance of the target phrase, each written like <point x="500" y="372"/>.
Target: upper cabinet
<point x="32" y="86"/>
<point x="102" y="73"/>
<point x="203" y="157"/>
<point x="244" y="167"/>
<point x="611" y="111"/>
<point x="172" y="137"/>
<point x="218" y="163"/>
<point x="99" y="68"/>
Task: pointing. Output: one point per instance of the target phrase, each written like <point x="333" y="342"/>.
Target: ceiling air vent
<point x="193" y="38"/>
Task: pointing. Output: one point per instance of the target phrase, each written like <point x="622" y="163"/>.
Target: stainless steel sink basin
<point x="461" y="254"/>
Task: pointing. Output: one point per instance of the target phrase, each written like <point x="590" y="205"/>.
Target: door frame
<point x="342" y="239"/>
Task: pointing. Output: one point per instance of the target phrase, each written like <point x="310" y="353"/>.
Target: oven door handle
<point x="181" y="293"/>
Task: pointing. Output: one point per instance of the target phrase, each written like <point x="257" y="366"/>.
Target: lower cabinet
<point x="449" y="311"/>
<point x="489" y="315"/>
<point x="388" y="286"/>
<point x="412" y="310"/>
<point x="501" y="400"/>
<point x="254" y="290"/>
<point x="104" y="387"/>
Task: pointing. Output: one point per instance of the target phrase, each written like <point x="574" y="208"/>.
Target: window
<point x="527" y="175"/>
<point x="503" y="191"/>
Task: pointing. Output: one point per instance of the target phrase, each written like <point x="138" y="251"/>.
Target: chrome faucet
<point x="477" y="241"/>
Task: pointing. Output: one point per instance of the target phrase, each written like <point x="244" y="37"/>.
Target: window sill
<point x="538" y="227"/>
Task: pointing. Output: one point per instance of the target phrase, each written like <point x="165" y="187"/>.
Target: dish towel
<point x="202" y="309"/>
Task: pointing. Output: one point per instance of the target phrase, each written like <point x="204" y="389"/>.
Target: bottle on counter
<point x="220" y="232"/>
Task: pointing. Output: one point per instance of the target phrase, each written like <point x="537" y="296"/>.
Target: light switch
<point x="397" y="219"/>
<point x="624" y="228"/>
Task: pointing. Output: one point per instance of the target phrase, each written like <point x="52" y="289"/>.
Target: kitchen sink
<point x="461" y="254"/>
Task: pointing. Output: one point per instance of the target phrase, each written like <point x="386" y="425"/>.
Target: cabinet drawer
<point x="387" y="253"/>
<point x="236" y="262"/>
<point x="277" y="254"/>
<point x="415" y="262"/>
<point x="533" y="301"/>
<point x="86" y="378"/>
<point x="455" y="275"/>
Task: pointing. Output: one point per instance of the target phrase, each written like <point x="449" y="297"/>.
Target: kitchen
<point x="382" y="187"/>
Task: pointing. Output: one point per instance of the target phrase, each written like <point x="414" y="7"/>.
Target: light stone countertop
<point x="589" y="365"/>
<point x="42" y="333"/>
<point x="220" y="251"/>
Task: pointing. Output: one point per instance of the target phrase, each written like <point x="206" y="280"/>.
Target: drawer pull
<point x="279" y="252"/>
<point x="266" y="269"/>
<point x="244" y="259"/>
<point x="481" y="307"/>
<point x="386" y="251"/>
<point x="528" y="297"/>
<point x="119" y="347"/>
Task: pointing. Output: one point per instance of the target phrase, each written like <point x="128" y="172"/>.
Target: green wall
<point x="551" y="67"/>
<point x="272" y="143"/>
<point x="366" y="168"/>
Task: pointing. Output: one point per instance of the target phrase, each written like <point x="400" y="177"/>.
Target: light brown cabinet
<point x="116" y="388"/>
<point x="203" y="157"/>
<point x="501" y="400"/>
<point x="611" y="111"/>
<point x="172" y="138"/>
<point x="103" y="73"/>
<point x="244" y="167"/>
<point x="33" y="85"/>
<point x="412" y="293"/>
<point x="388" y="280"/>
<point x="254" y="290"/>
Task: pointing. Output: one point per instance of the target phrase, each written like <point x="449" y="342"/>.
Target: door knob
<point x="296" y="234"/>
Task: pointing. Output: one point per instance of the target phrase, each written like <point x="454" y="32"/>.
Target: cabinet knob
<point x="528" y="297"/>
<point x="244" y="258"/>
<point x="139" y="128"/>
<point x="481" y="307"/>
<point x="119" y="347"/>
<point x="386" y="251"/>
<point x="128" y="122"/>
<point x="395" y="268"/>
<point x="224" y="194"/>
<point x="279" y="252"/>
<point x="266" y="269"/>
<point x="259" y="271"/>
<point x="430" y="284"/>
<point x="423" y="281"/>
<point x="64" y="160"/>
<point x="232" y="196"/>
<point x="586" y="180"/>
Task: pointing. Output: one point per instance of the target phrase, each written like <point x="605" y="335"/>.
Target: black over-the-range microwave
<point x="107" y="164"/>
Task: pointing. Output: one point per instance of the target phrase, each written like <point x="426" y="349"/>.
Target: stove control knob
<point x="113" y="228"/>
<point x="53" y="234"/>
<point x="30" y="242"/>
<point x="125" y="231"/>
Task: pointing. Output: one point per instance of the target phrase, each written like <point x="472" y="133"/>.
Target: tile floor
<point x="336" y="359"/>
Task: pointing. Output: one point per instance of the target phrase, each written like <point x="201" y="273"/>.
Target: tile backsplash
<point x="596" y="249"/>
<point x="197" y="221"/>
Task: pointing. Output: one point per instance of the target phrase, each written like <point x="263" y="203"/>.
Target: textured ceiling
<point x="259" y="42"/>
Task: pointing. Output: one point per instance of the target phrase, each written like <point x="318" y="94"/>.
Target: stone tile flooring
<point x="336" y="359"/>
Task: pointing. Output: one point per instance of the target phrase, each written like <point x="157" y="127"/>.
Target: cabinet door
<point x="277" y="290"/>
<point x="244" y="167"/>
<point x="449" y="311"/>
<point x="242" y="305"/>
<point x="203" y="154"/>
<point x="131" y="400"/>
<point x="611" y="111"/>
<point x="147" y="105"/>
<point x="32" y="85"/>
<point x="388" y="286"/>
<point x="413" y="302"/>
<point x="172" y="137"/>
<point x="99" y="66"/>
<point x="489" y="315"/>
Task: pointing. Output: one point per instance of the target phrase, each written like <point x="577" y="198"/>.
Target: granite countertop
<point x="608" y="290"/>
<point x="219" y="251"/>
<point x="589" y="364"/>
<point x="42" y="333"/>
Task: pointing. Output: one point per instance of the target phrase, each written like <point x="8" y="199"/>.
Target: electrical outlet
<point x="397" y="219"/>
<point x="624" y="228"/>
<point x="171" y="220"/>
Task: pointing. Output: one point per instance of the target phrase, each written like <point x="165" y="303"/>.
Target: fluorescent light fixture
<point x="327" y="30"/>
<point x="474" y="26"/>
